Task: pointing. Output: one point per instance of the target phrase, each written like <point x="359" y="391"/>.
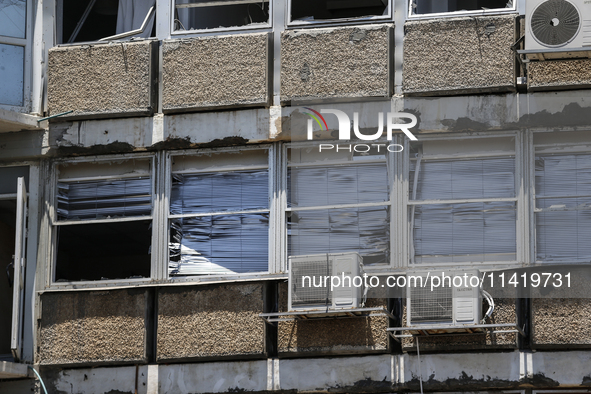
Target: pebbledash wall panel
<point x="445" y="56"/>
<point x="336" y="63"/>
<point x="559" y="74"/>
<point x="210" y="321"/>
<point x="103" y="80"/>
<point x="332" y="336"/>
<point x="215" y="72"/>
<point x="88" y="327"/>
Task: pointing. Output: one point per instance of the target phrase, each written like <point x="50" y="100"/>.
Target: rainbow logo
<point x="315" y="115"/>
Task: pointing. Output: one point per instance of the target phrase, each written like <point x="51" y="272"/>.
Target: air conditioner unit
<point x="444" y="305"/>
<point x="557" y="24"/>
<point x="307" y="271"/>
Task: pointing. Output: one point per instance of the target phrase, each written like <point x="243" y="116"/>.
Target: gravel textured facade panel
<point x="92" y="327"/>
<point x="335" y="335"/>
<point x="210" y="321"/>
<point x="346" y="62"/>
<point x="221" y="71"/>
<point x="561" y="321"/>
<point x="100" y="80"/>
<point x="459" y="55"/>
<point x="559" y="74"/>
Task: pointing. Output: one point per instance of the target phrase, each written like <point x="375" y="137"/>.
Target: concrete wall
<point x="559" y="75"/>
<point x="332" y="336"/>
<point x="343" y="62"/>
<point x="93" y="327"/>
<point x="459" y="55"/>
<point x="210" y="321"/>
<point x="103" y="80"/>
<point x="223" y="71"/>
<point x="460" y="372"/>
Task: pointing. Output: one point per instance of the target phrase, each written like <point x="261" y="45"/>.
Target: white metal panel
<point x="19" y="269"/>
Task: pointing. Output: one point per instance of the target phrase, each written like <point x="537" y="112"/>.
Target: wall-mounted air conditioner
<point x="557" y="24"/>
<point x="444" y="303"/>
<point x="307" y="272"/>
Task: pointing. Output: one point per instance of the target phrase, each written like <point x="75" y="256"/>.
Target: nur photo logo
<point x="344" y="129"/>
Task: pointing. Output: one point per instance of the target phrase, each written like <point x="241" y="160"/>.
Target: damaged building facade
<point x="156" y="176"/>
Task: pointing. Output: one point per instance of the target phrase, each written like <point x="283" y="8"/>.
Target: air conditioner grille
<point x="427" y="305"/>
<point x="310" y="295"/>
<point x="555" y="23"/>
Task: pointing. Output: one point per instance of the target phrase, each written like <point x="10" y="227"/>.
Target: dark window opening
<point x="7" y="230"/>
<point x="118" y="250"/>
<point x="310" y="10"/>
<point x="89" y="20"/>
<point x="200" y="14"/>
<point x="435" y="6"/>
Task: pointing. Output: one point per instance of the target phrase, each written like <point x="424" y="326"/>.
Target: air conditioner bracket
<point x="447" y="330"/>
<point x="325" y="314"/>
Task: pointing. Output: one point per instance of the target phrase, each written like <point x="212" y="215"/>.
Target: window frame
<point x="54" y="222"/>
<point x="521" y="214"/>
<point x="170" y="20"/>
<point x="294" y="24"/>
<point x="551" y="149"/>
<point x="451" y="14"/>
<point x="273" y="236"/>
<point x="27" y="44"/>
<point x="393" y="173"/>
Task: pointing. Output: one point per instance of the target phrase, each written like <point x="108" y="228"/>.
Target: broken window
<point x="13" y="29"/>
<point x="97" y="20"/>
<point x="441" y="6"/>
<point x="463" y="209"/>
<point x="208" y="14"/>
<point x="328" y="10"/>
<point x="219" y="213"/>
<point x="103" y="221"/>
<point x="338" y="205"/>
<point x="563" y="208"/>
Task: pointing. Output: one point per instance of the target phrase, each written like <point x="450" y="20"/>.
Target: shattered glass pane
<point x="219" y="191"/>
<point x="104" y="199"/>
<point x="220" y="244"/>
<point x="13" y="18"/>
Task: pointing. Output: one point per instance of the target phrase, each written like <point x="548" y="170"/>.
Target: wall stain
<point x="113" y="147"/>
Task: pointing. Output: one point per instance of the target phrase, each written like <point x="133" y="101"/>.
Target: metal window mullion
<point x="337" y="163"/>
<point x="339" y="206"/>
<point x="403" y="198"/>
<point x="222" y="169"/>
<point x="204" y="214"/>
<point x="467" y="156"/>
<point x="463" y="201"/>
<point x="167" y="184"/>
<point x="521" y="182"/>
<point x="109" y="220"/>
<point x="159" y="261"/>
<point x="282" y="206"/>
<point x="21" y="42"/>
<point x="272" y="246"/>
<point x="565" y="196"/>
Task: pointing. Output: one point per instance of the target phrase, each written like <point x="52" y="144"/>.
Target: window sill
<point x="457" y="14"/>
<point x="146" y="283"/>
<point x="299" y="24"/>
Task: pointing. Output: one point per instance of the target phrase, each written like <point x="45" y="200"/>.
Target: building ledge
<point x="556" y="53"/>
<point x="10" y="370"/>
<point x="15" y="121"/>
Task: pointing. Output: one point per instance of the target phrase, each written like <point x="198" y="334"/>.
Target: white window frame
<point x="27" y="44"/>
<point x="54" y="222"/>
<point x="59" y="23"/>
<point x="274" y="237"/>
<point x="559" y="149"/>
<point x="216" y="31"/>
<point x="339" y="22"/>
<point x="391" y="161"/>
<point x="452" y="14"/>
<point x="521" y="214"/>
